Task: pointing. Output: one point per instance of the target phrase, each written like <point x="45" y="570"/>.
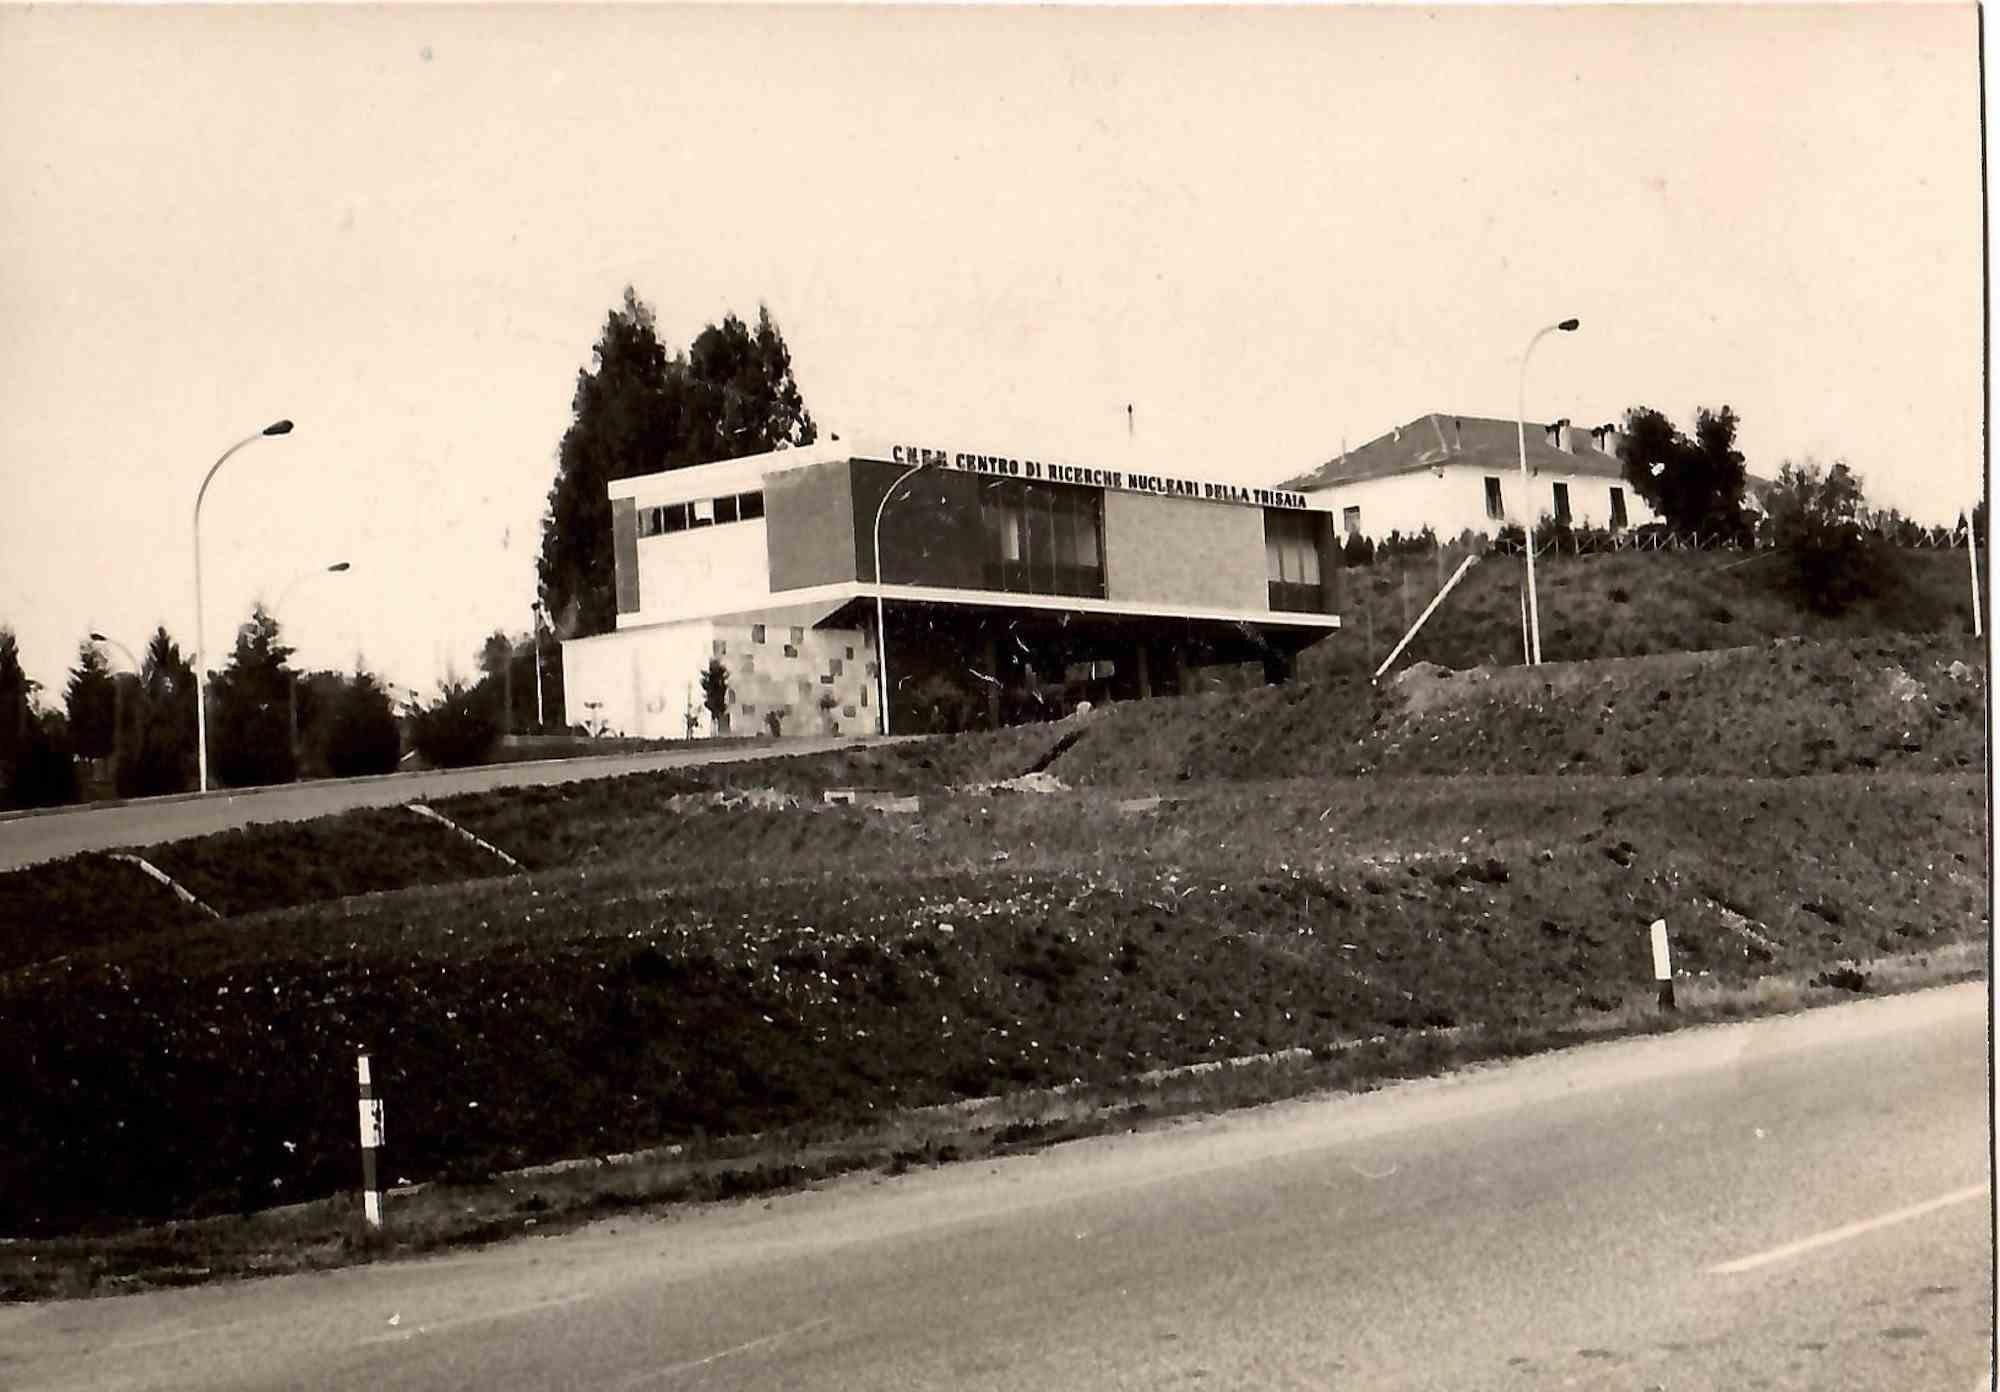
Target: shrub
<point x="455" y="730"/>
<point x="1815" y="518"/>
<point x="715" y="694"/>
<point x="44" y="770"/>
<point x="362" y="736"/>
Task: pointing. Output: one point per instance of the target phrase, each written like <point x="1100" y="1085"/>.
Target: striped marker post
<point x="371" y="1142"/>
<point x="1663" y="967"/>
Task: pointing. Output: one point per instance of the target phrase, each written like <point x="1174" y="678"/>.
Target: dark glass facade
<point x="1042" y="538"/>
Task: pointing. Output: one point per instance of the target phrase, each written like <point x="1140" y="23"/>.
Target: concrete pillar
<point x="1180" y="669"/>
<point x="1144" y="672"/>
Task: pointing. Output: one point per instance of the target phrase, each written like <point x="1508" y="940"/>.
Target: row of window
<point x="1497" y="511"/>
<point x="1043" y="540"/>
<point x="702" y="512"/>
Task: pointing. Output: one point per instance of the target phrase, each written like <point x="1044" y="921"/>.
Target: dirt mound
<point x="1773" y="711"/>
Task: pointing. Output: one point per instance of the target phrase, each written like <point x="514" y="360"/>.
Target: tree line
<point x="268" y="720"/>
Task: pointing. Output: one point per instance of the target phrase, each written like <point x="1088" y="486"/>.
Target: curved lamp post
<point x="292" y="694"/>
<point x="118" y="699"/>
<point x="337" y="568"/>
<point x="1528" y="511"/>
<point x="283" y="427"/>
<point x="137" y="668"/>
<point x="881" y="632"/>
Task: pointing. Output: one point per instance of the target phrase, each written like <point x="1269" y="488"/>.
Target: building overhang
<point x="840" y="596"/>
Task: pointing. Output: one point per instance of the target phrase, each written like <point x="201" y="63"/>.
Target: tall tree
<point x="1695" y="485"/>
<point x="91" y="702"/>
<point x="17" y="694"/>
<point x="1815" y="518"/>
<point x="640" y="411"/>
<point x="251" y="735"/>
<point x="161" y="757"/>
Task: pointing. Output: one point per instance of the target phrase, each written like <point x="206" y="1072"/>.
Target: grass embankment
<point x="679" y="993"/>
<point x="1622" y="604"/>
<point x="677" y="971"/>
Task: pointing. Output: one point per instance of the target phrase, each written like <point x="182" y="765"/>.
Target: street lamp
<point x="337" y="568"/>
<point x="118" y="700"/>
<point x="283" y="427"/>
<point x="1528" y="512"/>
<point x="137" y="667"/>
<point x="881" y="632"/>
<point x="292" y="694"/>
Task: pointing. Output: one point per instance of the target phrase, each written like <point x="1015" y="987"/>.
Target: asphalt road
<point x="1796" y="1203"/>
<point x="149" y="821"/>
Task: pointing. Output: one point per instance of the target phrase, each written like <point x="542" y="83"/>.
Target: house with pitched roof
<point x="1463" y="473"/>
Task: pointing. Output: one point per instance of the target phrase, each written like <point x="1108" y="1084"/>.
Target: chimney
<point x="1565" y="436"/>
<point x="1609" y="438"/>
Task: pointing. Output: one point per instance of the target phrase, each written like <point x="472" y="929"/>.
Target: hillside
<point x="1619" y="604"/>
<point x="717" y="951"/>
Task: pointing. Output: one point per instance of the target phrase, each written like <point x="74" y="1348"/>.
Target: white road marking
<point x="401" y="1335"/>
<point x="1841" y="1234"/>
<point x="654" y="1375"/>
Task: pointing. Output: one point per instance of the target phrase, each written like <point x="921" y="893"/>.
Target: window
<point x="1291" y="561"/>
<point x="725" y="509"/>
<point x="1617" y="508"/>
<point x="798" y="635"/>
<point x="756" y="633"/>
<point x="1350" y="521"/>
<point x="1494" y="508"/>
<point x="704" y="512"/>
<point x="750" y="506"/>
<point x="1042" y="539"/>
<point x="674" y="517"/>
<point x="1562" y="502"/>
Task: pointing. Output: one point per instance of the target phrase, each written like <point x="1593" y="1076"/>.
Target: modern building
<point x="1455" y="474"/>
<point x="1011" y="588"/>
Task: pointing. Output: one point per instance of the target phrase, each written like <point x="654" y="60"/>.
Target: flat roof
<point x="741" y="475"/>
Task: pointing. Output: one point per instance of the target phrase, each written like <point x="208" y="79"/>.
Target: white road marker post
<point x="371" y="1143"/>
<point x="1663" y="967"/>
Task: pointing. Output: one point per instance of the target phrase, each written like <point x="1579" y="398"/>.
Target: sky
<point x="1271" y="232"/>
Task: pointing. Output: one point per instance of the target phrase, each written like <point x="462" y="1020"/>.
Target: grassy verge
<point x="329" y="1232"/>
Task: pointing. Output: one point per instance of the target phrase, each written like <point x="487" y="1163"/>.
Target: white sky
<point x="1270" y="231"/>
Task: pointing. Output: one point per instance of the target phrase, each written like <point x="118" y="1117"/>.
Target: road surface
<point x="149" y="821"/>
<point x="1795" y="1203"/>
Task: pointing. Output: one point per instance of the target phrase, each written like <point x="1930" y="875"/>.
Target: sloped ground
<point x="1621" y="605"/>
<point x="719" y="952"/>
<point x="1773" y="711"/>
<point x="886" y="962"/>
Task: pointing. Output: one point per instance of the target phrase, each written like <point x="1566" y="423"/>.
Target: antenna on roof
<point x="1128" y="423"/>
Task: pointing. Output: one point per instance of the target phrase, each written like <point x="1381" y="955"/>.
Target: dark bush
<point x="363" y="736"/>
<point x="457" y="729"/>
<point x="44" y="771"/>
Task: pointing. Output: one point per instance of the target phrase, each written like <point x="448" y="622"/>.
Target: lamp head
<point x="1567" y="326"/>
<point x="283" y="427"/>
<point x="339" y="566"/>
<point x="99" y="638"/>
